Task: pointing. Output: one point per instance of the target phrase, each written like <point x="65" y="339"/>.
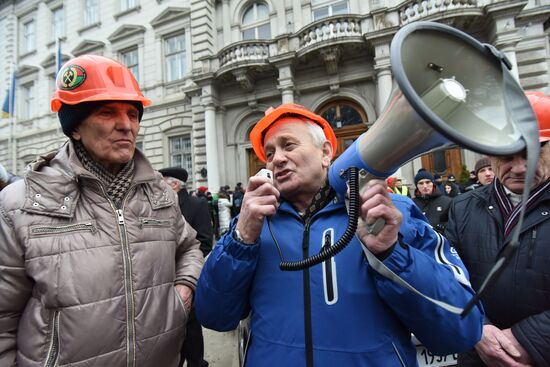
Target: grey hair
<point x="317" y="134"/>
<point x="4" y="177"/>
<point x="171" y="180"/>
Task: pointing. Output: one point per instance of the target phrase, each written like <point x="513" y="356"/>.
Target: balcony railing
<point x="244" y="52"/>
<point x="330" y="29"/>
<point x="418" y="9"/>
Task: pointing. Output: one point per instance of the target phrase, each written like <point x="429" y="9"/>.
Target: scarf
<point x="319" y="201"/>
<point x="509" y="212"/>
<point x="116" y="185"/>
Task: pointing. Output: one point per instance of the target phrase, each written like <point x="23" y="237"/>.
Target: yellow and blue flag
<point x="8" y="108"/>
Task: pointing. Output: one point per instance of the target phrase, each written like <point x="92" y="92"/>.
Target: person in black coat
<point x="433" y="203"/>
<point x="481" y="224"/>
<point x="197" y="214"/>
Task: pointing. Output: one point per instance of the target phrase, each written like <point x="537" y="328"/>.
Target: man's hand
<point x="376" y="203"/>
<point x="524" y="355"/>
<point x="186" y="295"/>
<point x="259" y="201"/>
<point x="497" y="349"/>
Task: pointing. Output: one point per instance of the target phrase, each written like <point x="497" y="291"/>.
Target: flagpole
<point x="12" y="123"/>
<point x="11" y="113"/>
<point x="57" y="55"/>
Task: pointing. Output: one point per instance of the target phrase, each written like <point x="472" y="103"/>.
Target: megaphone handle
<point x="365" y="176"/>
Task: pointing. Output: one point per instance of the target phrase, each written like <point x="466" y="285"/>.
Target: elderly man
<point x="98" y="266"/>
<point x="197" y="214"/>
<point x="481" y="223"/>
<point x="342" y="312"/>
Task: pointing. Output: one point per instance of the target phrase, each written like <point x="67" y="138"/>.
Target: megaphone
<point x="449" y="90"/>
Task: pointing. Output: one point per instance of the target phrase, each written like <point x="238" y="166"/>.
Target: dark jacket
<point x="197" y="214"/>
<point x="520" y="298"/>
<point x="435" y="207"/>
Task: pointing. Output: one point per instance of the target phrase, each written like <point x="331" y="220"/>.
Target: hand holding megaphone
<point x="379" y="220"/>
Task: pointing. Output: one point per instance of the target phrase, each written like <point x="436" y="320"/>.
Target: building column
<point x="211" y="141"/>
<point x="505" y="38"/>
<point x="226" y="22"/>
<point x="382" y="68"/>
<point x="286" y="82"/>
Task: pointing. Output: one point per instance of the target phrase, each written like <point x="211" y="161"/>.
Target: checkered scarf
<point x="116" y="184"/>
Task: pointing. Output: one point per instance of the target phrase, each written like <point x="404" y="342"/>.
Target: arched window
<point x="255" y="23"/>
<point x="323" y="8"/>
<point x="347" y="119"/>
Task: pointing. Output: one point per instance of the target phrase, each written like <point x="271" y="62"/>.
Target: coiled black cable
<point x="327" y="253"/>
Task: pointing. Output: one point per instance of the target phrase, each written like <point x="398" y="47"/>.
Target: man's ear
<point x="327" y="154"/>
<point x="76" y="135"/>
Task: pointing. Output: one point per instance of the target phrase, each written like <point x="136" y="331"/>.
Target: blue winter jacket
<point x="348" y="313"/>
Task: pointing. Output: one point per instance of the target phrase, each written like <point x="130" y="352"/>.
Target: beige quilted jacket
<point x="84" y="284"/>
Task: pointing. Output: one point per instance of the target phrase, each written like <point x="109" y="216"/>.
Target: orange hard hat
<point x="286" y="110"/>
<point x="541" y="105"/>
<point x="90" y="78"/>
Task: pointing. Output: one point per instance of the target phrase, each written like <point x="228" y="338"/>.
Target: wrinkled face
<point x="299" y="166"/>
<point x="109" y="134"/>
<point x="485" y="175"/>
<point x="425" y="186"/>
<point x="511" y="170"/>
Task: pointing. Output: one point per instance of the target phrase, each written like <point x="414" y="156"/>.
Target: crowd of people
<point x="103" y="257"/>
<point x="433" y="195"/>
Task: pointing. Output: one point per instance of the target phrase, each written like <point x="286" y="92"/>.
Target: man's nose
<point x="123" y="122"/>
<point x="519" y="164"/>
<point x="278" y="156"/>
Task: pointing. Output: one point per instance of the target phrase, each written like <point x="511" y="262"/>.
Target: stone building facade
<point x="212" y="67"/>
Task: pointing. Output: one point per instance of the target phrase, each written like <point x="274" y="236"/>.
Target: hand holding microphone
<point x="260" y="200"/>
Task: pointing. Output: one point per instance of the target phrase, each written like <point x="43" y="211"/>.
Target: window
<point x="255" y="23"/>
<point x="347" y="119"/>
<point x="91" y="12"/>
<point x="180" y="152"/>
<point x="29" y="36"/>
<point x="127" y="4"/>
<point x="174" y="53"/>
<point x="58" y="23"/>
<point x="27" y="111"/>
<point x="342" y="114"/>
<point x="323" y="8"/>
<point x="131" y="60"/>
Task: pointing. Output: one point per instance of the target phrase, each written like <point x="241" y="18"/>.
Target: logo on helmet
<point x="71" y="77"/>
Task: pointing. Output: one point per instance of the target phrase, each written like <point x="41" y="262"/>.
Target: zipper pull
<point x="120" y="216"/>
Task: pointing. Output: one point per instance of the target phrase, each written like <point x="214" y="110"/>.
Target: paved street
<point x="221" y="348"/>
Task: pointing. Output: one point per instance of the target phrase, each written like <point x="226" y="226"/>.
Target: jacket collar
<point x="53" y="183"/>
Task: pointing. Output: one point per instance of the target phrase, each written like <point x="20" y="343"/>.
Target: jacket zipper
<point x="130" y="332"/>
<point x="63" y="229"/>
<point x="328" y="270"/>
<point x="307" y="300"/>
<point x="127" y="267"/>
<point x="532" y="245"/>
<point x="53" y="351"/>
